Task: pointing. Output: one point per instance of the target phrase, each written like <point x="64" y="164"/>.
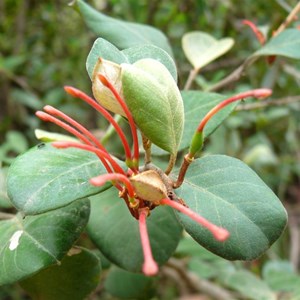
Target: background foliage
<point x="45" y="45"/>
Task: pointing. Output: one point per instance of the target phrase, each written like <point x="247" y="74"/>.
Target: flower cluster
<point x="143" y="188"/>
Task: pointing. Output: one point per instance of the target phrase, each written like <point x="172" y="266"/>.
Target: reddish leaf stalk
<point x="79" y="94"/>
<point x="98" y="152"/>
<point x="55" y="112"/>
<point x="150" y="267"/>
<point x="259" y="35"/>
<point x="258" y="93"/>
<point x="219" y="233"/>
<point x="124" y="106"/>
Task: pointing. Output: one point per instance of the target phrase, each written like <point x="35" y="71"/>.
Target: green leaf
<point x="122" y="34"/>
<point x="248" y="285"/>
<point x="155" y="102"/>
<point x="126" y="285"/>
<point x="201" y="48"/>
<point x="116" y="233"/>
<point x="287" y="44"/>
<point x="105" y="50"/>
<point x="196" y="105"/>
<point x="280" y="276"/>
<point x="29" y="244"/>
<point x="46" y="178"/>
<point x="229" y="194"/>
<point x="74" y="279"/>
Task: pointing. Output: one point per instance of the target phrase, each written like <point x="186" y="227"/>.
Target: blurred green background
<point x="44" y="45"/>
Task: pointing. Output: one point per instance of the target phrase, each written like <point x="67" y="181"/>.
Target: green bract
<point x="155" y="102"/>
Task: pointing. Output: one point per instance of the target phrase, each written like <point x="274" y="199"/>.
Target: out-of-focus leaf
<point x="126" y="285"/>
<point x="248" y="285"/>
<point x="74" y="279"/>
<point x="287" y="44"/>
<point x="122" y="34"/>
<point x="46" y="136"/>
<point x="201" y="48"/>
<point x="29" y="244"/>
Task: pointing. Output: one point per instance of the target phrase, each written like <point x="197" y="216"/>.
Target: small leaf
<point x="287" y="44"/>
<point x="46" y="178"/>
<point x="280" y="276"/>
<point x="201" y="48"/>
<point x="107" y="51"/>
<point x="29" y="244"/>
<point x="79" y="272"/>
<point x="4" y="200"/>
<point x="248" y="285"/>
<point x="229" y="194"/>
<point x="121" y="33"/>
<point x="126" y="285"/>
<point x="196" y="105"/>
<point x="116" y="233"/>
<point x="155" y="102"/>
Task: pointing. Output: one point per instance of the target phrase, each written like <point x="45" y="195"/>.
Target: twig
<point x="171" y="164"/>
<point x="197" y="284"/>
<point x="294" y="239"/>
<point x="191" y="78"/>
<point x="266" y="103"/>
<point x="6" y="216"/>
<point x="147" y="147"/>
<point x="288" y="20"/>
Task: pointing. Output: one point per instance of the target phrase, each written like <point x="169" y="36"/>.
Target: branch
<point x="197" y="284"/>
<point x="6" y="216"/>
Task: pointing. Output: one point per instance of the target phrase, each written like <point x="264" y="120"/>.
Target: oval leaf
<point x="45" y="178"/>
<point x="155" y="102"/>
<point x="229" y="194"/>
<point x="201" y="48"/>
<point x="32" y="243"/>
<point x="79" y="271"/>
<point x="115" y="30"/>
<point x="287" y="43"/>
<point x="116" y="232"/>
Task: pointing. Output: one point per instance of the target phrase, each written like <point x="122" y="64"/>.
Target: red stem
<point x="48" y="118"/>
<point x="258" y="93"/>
<point x="55" y="112"/>
<point x="219" y="233"/>
<point x="150" y="267"/>
<point x="102" y="179"/>
<point x="124" y="106"/>
<point x="98" y="152"/>
<point x="79" y="94"/>
<point x="259" y="35"/>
